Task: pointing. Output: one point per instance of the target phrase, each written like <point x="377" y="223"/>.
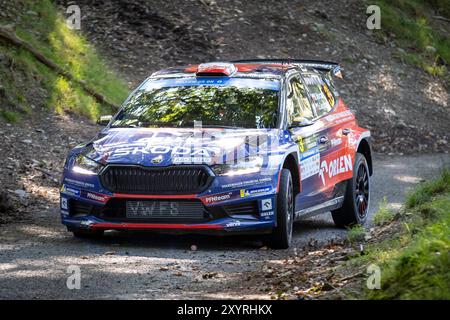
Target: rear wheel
<point x="281" y="236"/>
<point x="357" y="196"/>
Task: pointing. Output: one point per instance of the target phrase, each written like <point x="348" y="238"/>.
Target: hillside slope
<point x="405" y="107"/>
<point x="30" y="87"/>
<point x="43" y="115"/>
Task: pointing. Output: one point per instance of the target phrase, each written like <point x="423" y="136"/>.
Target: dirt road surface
<point x="35" y="253"/>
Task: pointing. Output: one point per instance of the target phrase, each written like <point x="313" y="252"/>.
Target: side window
<point x="320" y="92"/>
<point x="297" y="104"/>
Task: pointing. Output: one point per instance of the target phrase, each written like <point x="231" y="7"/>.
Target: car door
<point x="303" y="128"/>
<point x="330" y="138"/>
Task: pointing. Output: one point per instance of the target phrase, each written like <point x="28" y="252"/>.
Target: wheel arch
<point x="365" y="148"/>
<point x="291" y="163"/>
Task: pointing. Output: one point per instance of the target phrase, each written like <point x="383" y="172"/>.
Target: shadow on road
<point x="212" y="243"/>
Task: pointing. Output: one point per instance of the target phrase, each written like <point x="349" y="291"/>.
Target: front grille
<point x="162" y="211"/>
<point x="156" y="180"/>
<point x="246" y="208"/>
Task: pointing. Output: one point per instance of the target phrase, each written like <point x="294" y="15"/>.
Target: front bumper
<point x="229" y="205"/>
<point x="216" y="228"/>
<point x="236" y="215"/>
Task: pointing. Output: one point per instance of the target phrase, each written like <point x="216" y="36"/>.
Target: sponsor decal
<point x="175" y="151"/>
<point x="239" y="82"/>
<point x="267" y="214"/>
<point x="246" y="183"/>
<point x="157" y="159"/>
<point x="309" y="163"/>
<point x="236" y="223"/>
<point x="70" y="191"/>
<point x="184" y="160"/>
<point x="301" y="144"/>
<point x="312" y="79"/>
<point x="336" y="142"/>
<point x="79" y="183"/>
<point x="329" y="95"/>
<point x="95" y="197"/>
<point x="339" y="117"/>
<point x="335" y="167"/>
<point x="218" y="198"/>
<point x="250" y="192"/>
<point x="63" y="203"/>
<point x="311" y="142"/>
<point x="266" y="204"/>
<point x="306" y="143"/>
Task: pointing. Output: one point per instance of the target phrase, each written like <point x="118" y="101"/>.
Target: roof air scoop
<point x="216" y="69"/>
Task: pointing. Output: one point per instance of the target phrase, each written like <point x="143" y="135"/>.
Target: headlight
<point x="243" y="166"/>
<point x="83" y="165"/>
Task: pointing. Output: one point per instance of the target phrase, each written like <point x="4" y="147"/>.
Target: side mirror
<point x="302" y="123"/>
<point x="104" y="120"/>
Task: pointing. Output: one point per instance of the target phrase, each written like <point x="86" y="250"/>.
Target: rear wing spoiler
<point x="332" y="68"/>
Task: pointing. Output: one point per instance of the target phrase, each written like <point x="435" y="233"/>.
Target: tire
<point x="357" y="196"/>
<point x="281" y="236"/>
<point x="86" y="234"/>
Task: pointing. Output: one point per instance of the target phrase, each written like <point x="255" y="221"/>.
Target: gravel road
<point x="35" y="254"/>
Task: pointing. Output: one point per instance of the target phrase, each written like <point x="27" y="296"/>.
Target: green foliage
<point x="421" y="270"/>
<point x="384" y="214"/>
<point x="13" y="101"/>
<point x="429" y="189"/>
<point x="409" y="21"/>
<point x="441" y="7"/>
<point x="47" y="31"/>
<point x="415" y="261"/>
<point x="356" y="233"/>
<point x="10" y="116"/>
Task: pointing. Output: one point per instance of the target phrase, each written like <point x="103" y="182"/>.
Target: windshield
<point x="221" y="102"/>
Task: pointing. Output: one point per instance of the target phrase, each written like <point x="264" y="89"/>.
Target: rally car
<point x="245" y="146"/>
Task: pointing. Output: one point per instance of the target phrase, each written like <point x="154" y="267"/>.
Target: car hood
<point x="168" y="146"/>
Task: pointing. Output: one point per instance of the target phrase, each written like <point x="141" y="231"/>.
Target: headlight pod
<point x="242" y="166"/>
<point x="84" y="165"/>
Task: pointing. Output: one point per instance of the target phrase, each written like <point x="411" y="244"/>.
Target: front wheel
<point x="357" y="196"/>
<point x="281" y="236"/>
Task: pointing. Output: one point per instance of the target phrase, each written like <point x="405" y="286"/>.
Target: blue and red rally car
<point x="223" y="147"/>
